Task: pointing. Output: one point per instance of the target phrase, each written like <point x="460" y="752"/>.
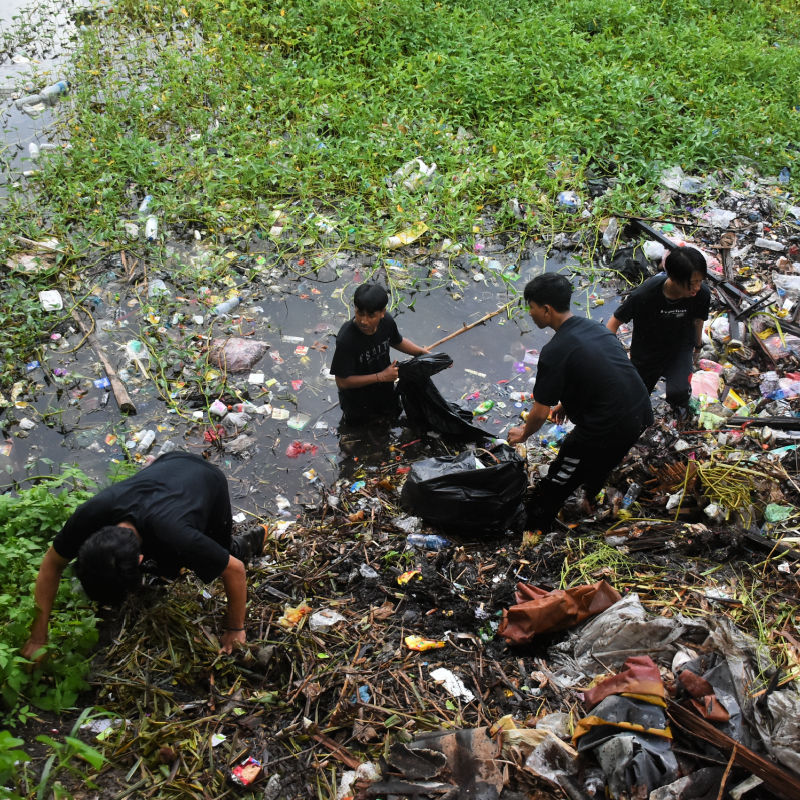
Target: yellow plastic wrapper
<point x="420" y="644"/>
<point x="293" y="615"/>
<point x="406" y="236"/>
<point x="407" y="577"/>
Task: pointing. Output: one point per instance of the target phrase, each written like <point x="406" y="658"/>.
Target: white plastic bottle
<point x="151" y="228"/>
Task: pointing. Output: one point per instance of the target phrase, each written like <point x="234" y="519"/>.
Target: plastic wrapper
<point x="425" y="407"/>
<point x="476" y="493"/>
<point x="540" y="611"/>
<point x="236" y="354"/>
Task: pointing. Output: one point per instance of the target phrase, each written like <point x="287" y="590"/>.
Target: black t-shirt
<point x="661" y="327"/>
<point x="585" y="368"/>
<point x="359" y="354"/>
<point x="180" y="507"/>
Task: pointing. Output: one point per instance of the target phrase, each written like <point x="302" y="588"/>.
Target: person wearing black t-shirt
<point x="365" y="373"/>
<point x="668" y="312"/>
<point x="585" y="375"/>
<point x="175" y="513"/>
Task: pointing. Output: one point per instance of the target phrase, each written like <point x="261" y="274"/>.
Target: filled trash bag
<point x="425" y="408"/>
<point x="475" y="493"/>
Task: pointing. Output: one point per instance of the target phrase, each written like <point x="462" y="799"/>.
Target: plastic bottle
<point x="146" y="441"/>
<point x="144" y="206"/>
<point x="33" y="150"/>
<point x="29" y="100"/>
<point x="226" y="306"/>
<point x="427" y="541"/>
<point x="631" y="495"/>
<point x="168" y="447"/>
<point x="486" y="405"/>
<point x="51" y="94"/>
<point x="151" y="228"/>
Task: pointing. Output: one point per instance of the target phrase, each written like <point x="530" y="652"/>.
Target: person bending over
<point x="176" y="513"/>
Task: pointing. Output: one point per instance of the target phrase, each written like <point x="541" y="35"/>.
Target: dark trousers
<point x="579" y="462"/>
<point x="676" y="371"/>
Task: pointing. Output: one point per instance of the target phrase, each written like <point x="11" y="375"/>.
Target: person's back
<point x="600" y="385"/>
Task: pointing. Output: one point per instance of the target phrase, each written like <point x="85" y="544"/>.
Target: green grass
<point x="318" y="101"/>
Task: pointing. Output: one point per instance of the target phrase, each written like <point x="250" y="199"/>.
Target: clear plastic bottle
<point x="226" y="306"/>
<point x="146" y="441"/>
<point x="144" y="206"/>
<point x="50" y="94"/>
<point x="631" y="495"/>
<point x="427" y="541"/>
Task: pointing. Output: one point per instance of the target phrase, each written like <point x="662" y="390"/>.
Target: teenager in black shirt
<point x="365" y="373"/>
<point x="585" y="375"/>
<point x="668" y="312"/>
<point x="176" y="513"/>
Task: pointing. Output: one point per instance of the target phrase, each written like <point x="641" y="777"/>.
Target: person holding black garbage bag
<point x="583" y="374"/>
<point x="365" y="373"/>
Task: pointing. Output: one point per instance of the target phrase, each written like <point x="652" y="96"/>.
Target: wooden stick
<point x="471" y="325"/>
<point x="121" y="395"/>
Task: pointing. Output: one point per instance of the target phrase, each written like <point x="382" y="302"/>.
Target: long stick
<point x="121" y="395"/>
<point x="471" y="325"/>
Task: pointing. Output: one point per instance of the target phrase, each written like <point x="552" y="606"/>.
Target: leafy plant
<point x="28" y="520"/>
<point x="63" y="756"/>
<point x="10" y="755"/>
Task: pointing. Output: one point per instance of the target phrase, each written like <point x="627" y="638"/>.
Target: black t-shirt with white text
<point x="180" y="507"/>
<point x="661" y="327"/>
<point x="586" y="368"/>
<point x="359" y="354"/>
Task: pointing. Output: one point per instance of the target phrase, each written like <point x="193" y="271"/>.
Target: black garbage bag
<point x="425" y="407"/>
<point x="476" y="493"/>
<point x="631" y="263"/>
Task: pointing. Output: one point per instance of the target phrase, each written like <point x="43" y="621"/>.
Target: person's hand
<point x="557" y="414"/>
<point x="389" y="375"/>
<point x="34" y="651"/>
<point x="516" y="435"/>
<point x="696" y="357"/>
<point x="232" y="639"/>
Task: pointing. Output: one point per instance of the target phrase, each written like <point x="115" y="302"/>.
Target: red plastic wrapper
<point x="638" y="676"/>
<point x="245" y="773"/>
<point x="540" y="611"/>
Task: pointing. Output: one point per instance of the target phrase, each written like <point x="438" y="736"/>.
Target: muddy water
<point x="77" y="422"/>
<point x="41" y="33"/>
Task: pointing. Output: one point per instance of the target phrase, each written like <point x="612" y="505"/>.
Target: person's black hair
<point x="108" y="564"/>
<point x="370" y="297"/>
<point x="682" y="262"/>
<point x="549" y="290"/>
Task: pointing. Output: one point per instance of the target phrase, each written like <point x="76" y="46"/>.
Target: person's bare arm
<point x="613" y="324"/>
<point x="537" y="416"/>
<point x="388" y="375"/>
<point x="410" y="349"/>
<point x="44" y="595"/>
<point x="234" y="580"/>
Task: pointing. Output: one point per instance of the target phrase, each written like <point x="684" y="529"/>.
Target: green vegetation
<point x="27" y="522"/>
<point x="317" y="102"/>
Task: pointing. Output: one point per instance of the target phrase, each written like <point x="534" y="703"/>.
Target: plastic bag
<point x="235" y="354"/>
<point x="475" y="493"/>
<point x="425" y="408"/>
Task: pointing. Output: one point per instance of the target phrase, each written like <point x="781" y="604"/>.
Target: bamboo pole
<point x="121" y="395"/>
<point x="471" y="325"/>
